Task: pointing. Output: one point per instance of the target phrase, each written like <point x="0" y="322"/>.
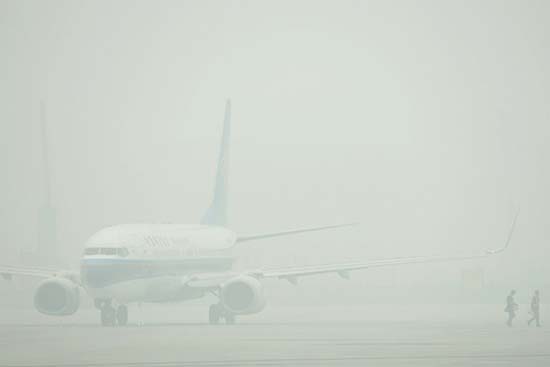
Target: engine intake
<point x="57" y="297"/>
<point x="243" y="295"/>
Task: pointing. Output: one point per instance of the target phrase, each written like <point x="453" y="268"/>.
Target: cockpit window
<point x="108" y="251"/>
<point x="91" y="251"/>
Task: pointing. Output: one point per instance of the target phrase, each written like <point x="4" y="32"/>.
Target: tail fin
<point x="216" y="214"/>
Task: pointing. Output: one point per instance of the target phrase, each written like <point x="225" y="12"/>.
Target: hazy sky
<point x="427" y="121"/>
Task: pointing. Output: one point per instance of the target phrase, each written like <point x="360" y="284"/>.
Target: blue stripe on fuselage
<point x="102" y="272"/>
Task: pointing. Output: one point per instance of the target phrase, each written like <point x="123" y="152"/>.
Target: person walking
<point x="535" y="309"/>
<point x="511" y="308"/>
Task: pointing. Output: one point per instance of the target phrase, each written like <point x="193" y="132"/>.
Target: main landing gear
<point x="111" y="316"/>
<point x="217" y="312"/>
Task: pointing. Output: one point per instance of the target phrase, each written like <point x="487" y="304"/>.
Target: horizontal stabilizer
<point x="289" y="232"/>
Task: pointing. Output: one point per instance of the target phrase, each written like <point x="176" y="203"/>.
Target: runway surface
<point x="29" y="340"/>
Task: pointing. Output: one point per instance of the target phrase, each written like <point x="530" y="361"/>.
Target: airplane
<point x="140" y="263"/>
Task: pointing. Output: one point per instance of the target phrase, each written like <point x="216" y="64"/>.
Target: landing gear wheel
<point x="108" y="315"/>
<point x="214" y="314"/>
<point x="229" y="318"/>
<point x="122" y="315"/>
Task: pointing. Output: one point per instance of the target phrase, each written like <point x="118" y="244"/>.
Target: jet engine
<point x="57" y="297"/>
<point x="243" y="295"/>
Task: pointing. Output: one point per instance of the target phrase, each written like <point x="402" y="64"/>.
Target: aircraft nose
<point x="96" y="275"/>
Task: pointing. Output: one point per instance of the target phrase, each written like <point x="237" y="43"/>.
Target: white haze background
<point x="425" y="121"/>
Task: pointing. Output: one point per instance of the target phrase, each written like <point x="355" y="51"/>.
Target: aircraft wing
<point x="260" y="236"/>
<point x="342" y="269"/>
<point x="8" y="271"/>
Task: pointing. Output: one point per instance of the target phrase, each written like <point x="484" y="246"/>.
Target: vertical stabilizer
<point x="47" y="219"/>
<point x="216" y="215"/>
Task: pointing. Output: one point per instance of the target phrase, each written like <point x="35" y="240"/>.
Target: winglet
<point x="508" y="239"/>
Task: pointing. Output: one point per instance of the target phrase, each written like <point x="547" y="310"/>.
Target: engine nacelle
<point x="57" y="297"/>
<point x="243" y="295"/>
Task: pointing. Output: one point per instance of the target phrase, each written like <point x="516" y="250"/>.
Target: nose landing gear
<point x="110" y="316"/>
<point x="217" y="312"/>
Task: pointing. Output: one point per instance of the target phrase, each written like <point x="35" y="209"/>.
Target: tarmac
<point x="317" y="336"/>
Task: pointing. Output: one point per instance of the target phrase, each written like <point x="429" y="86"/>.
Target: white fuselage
<point x="150" y="262"/>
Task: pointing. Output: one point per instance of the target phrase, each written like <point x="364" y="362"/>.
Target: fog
<point x="424" y="121"/>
